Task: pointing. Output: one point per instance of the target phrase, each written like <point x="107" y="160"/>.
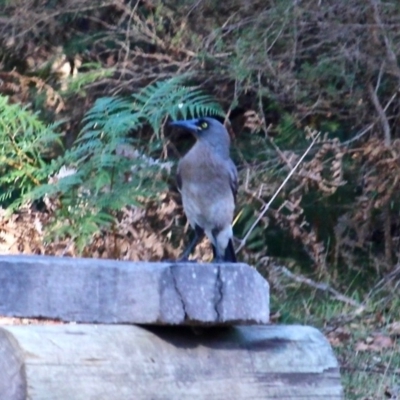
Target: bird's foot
<point x="179" y="260"/>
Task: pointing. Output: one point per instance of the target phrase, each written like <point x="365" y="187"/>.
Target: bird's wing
<point x="233" y="178"/>
<point x="179" y="177"/>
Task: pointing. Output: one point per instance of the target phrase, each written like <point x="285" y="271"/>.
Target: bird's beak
<point x="189" y="124"/>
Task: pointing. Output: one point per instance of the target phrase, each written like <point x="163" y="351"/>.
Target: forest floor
<point x="367" y="348"/>
<point x="365" y="340"/>
<point x="365" y="337"/>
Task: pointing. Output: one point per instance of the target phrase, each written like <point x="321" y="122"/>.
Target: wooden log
<point x="106" y="291"/>
<point x="107" y="362"/>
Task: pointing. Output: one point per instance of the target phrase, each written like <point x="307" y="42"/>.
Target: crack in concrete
<point x="179" y="293"/>
<point x="219" y="284"/>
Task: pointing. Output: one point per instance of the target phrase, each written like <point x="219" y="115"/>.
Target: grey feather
<point x="207" y="180"/>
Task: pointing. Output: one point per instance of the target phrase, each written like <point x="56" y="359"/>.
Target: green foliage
<point x="76" y="84"/>
<point x="289" y="135"/>
<point x="296" y="303"/>
<point x="24" y="144"/>
<point x="106" y="168"/>
<point x="172" y="97"/>
<point x="294" y="64"/>
<point x="278" y="59"/>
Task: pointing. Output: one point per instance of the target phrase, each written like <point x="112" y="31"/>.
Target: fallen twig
<point x="391" y="279"/>
<point x="316" y="285"/>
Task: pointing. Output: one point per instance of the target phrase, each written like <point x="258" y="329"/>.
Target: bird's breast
<point x="205" y="188"/>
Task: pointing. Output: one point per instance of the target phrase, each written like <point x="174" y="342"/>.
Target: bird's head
<point x="208" y="130"/>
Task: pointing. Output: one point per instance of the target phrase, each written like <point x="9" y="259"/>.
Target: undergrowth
<point x="330" y="66"/>
<point x="108" y="167"/>
<point x="365" y="340"/>
<point x="25" y="141"/>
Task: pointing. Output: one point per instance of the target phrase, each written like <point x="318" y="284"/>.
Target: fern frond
<point x="76" y="84"/>
<point x="172" y="97"/>
<point x="24" y="142"/>
<point x="109" y="169"/>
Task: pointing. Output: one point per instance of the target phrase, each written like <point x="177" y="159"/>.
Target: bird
<point x="208" y="182"/>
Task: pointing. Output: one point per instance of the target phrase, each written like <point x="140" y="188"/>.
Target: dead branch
<point x="316" y="285"/>
<point x="266" y="207"/>
<point x="382" y="115"/>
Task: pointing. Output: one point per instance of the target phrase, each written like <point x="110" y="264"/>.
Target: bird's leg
<point x="214" y="250"/>
<point x="198" y="235"/>
<point x="217" y="256"/>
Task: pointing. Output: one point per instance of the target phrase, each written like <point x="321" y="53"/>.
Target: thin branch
<point x="378" y="81"/>
<point x="388" y="140"/>
<point x="317" y="285"/>
<point x="266" y="207"/>
<point x="359" y="135"/>
<point x="370" y="126"/>
<point x="391" y="279"/>
<point x="390" y="54"/>
<point x="268" y="128"/>
<point x="382" y="115"/>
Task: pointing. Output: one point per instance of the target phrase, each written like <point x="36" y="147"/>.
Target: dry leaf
<point x="362" y="346"/>
<point x="339" y="336"/>
<point x="394" y="328"/>
<point x="376" y="343"/>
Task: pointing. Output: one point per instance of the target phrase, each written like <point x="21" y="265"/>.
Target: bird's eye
<point x="204" y="125"/>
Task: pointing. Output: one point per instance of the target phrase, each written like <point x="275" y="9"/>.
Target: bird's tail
<point x="230" y="255"/>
